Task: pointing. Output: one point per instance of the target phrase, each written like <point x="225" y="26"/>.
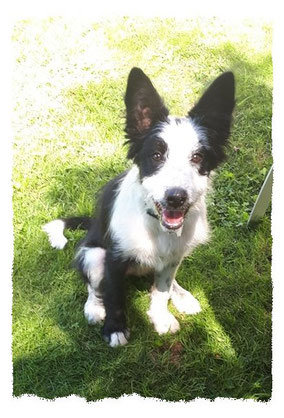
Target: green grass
<point x="68" y="122"/>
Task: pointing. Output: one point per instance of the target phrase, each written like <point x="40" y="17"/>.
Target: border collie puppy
<point x="152" y="215"/>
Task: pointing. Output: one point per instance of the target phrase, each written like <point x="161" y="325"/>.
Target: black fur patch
<point x="213" y="114"/>
<point x="145" y="151"/>
<point x="77" y="222"/>
<point x="144" y="106"/>
<point x="144" y="110"/>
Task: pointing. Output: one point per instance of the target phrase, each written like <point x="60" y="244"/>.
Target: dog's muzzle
<point x="173" y="208"/>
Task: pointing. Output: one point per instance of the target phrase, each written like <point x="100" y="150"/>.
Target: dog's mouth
<point x="171" y="219"/>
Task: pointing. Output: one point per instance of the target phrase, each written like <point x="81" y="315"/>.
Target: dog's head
<point x="176" y="155"/>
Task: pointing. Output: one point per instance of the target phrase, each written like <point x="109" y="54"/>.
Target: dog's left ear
<point x="144" y="106"/>
<point x="213" y="111"/>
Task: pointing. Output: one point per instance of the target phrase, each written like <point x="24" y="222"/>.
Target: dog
<point x="154" y="214"/>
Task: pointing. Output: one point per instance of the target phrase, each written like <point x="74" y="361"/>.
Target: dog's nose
<point x="176" y="197"/>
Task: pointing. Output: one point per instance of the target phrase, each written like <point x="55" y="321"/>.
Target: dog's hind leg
<point x="183" y="300"/>
<point x="115" y="331"/>
<point x="90" y="261"/>
<point x="94" y="309"/>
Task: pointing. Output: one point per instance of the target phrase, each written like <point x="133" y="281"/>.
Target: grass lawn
<point x="69" y="79"/>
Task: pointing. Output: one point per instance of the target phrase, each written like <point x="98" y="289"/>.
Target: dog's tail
<point x="55" y="229"/>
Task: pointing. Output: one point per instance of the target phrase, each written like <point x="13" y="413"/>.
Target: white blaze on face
<point x="182" y="139"/>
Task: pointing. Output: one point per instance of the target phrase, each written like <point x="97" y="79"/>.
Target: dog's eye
<point x="197" y="158"/>
<point x="157" y="156"/>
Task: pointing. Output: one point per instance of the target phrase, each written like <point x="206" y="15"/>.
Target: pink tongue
<point x="172" y="216"/>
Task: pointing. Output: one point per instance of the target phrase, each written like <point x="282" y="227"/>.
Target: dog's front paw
<point x="186" y="304"/>
<point x="184" y="301"/>
<point x="163" y="322"/>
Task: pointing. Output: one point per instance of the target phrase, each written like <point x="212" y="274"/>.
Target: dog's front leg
<point x="114" y="329"/>
<point x="158" y="313"/>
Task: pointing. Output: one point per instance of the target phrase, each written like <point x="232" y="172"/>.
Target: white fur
<point x="54" y="230"/>
<point x="117" y="338"/>
<point x="94" y="308"/>
<point x="163" y="321"/>
<point x="93" y="264"/>
<point x="183" y="300"/>
<point x="159" y="315"/>
<point x="142" y="238"/>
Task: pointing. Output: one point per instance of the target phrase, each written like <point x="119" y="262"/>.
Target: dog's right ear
<point x="144" y="106"/>
<point x="214" y="109"/>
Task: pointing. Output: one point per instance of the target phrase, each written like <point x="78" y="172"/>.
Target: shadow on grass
<point x="222" y="352"/>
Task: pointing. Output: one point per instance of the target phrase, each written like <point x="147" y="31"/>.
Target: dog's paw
<point x="115" y="334"/>
<point x="114" y="339"/>
<point x="163" y="322"/>
<point x="118" y="338"/>
<point x="94" y="313"/>
<point x="184" y="301"/>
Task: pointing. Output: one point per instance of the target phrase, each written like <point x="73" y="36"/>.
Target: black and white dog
<point x="152" y="215"/>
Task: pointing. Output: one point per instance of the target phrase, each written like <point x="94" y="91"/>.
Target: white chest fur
<point x="140" y="236"/>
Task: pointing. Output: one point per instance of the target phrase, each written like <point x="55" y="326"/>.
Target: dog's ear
<point x="213" y="112"/>
<point x="144" y="106"/>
